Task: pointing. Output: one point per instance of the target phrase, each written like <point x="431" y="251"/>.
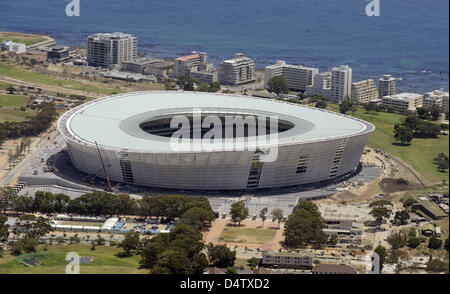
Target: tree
<point x="446" y="244"/>
<point x="396" y="240"/>
<point x="436" y="266"/>
<point x="403" y="134"/>
<point x="382" y="253"/>
<point x="278" y="84"/>
<point x="198" y="217"/>
<point x="380" y="210"/>
<point x="413" y="242"/>
<point x="321" y="104"/>
<point x="129" y="243"/>
<point x="253" y="262"/>
<point x="4" y="229"/>
<point x="263" y="215"/>
<point x="434" y="243"/>
<point x="398" y="258"/>
<point x="11" y="90"/>
<point x="401" y="217"/>
<point x="277" y="214"/>
<point x="346" y="105"/>
<point x="238" y="212"/>
<point x="149" y="254"/>
<point x="172" y="261"/>
<point x="221" y="256"/>
<point x="26" y="245"/>
<point x="74" y="239"/>
<point x="333" y="240"/>
<point x="304" y="226"/>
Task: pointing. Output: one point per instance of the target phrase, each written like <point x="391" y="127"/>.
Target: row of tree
<point x="107" y="204"/>
<point x="190" y="84"/>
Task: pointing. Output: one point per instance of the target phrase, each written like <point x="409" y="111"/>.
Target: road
<point x="15" y="172"/>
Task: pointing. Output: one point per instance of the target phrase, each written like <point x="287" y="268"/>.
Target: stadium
<point x="127" y="138"/>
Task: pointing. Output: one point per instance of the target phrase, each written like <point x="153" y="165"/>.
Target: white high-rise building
<point x="321" y="85"/>
<point x="111" y="49"/>
<point x="386" y="86"/>
<point x="238" y="70"/>
<point x="364" y="91"/>
<point x="298" y="77"/>
<point x="341" y="83"/>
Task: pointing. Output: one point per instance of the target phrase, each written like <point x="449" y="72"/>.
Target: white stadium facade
<point x="131" y="134"/>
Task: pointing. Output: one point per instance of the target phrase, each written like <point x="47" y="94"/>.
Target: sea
<point x="409" y="39"/>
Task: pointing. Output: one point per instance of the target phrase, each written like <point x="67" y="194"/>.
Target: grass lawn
<point x="12" y="100"/>
<point x="419" y="154"/>
<point x="10" y="114"/>
<point x="105" y="261"/>
<point x="248" y="235"/>
<point x="31" y="77"/>
<point x="27" y="39"/>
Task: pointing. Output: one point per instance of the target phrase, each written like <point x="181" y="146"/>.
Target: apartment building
<point x="208" y="74"/>
<point x="364" y="91"/>
<point x="111" y="49"/>
<point x="238" y="70"/>
<point x="298" y="77"/>
<point x="13" y="47"/>
<point x="58" y="54"/>
<point x="386" y="86"/>
<point x="403" y="101"/>
<point x="438" y="98"/>
<point x="321" y="85"/>
<point x="183" y="64"/>
<point x="138" y="65"/>
<point x="341" y="83"/>
<point x="286" y="260"/>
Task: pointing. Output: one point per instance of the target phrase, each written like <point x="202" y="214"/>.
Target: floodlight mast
<point x="109" y="188"/>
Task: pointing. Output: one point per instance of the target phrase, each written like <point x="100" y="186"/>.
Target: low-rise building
<point x="403" y="101"/>
<point x="348" y="231"/>
<point x="327" y="269"/>
<point x="58" y="54"/>
<point x="13" y="46"/>
<point x="286" y="260"/>
<point x="238" y="70"/>
<point x="298" y="77"/>
<point x="138" y="65"/>
<point x="159" y="69"/>
<point x="436" y="98"/>
<point x="428" y="208"/>
<point x="208" y="74"/>
<point x="364" y="91"/>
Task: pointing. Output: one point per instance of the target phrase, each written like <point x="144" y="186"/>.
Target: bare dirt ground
<point x="213" y="235"/>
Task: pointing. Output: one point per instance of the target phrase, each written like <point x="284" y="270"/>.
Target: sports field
<point x="247" y="235"/>
<point x="419" y="154"/>
<point x="53" y="261"/>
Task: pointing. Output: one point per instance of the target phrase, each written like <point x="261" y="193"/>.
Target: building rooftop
<point x="404" y="96"/>
<point x="188" y="57"/>
<point x="114" y="122"/>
